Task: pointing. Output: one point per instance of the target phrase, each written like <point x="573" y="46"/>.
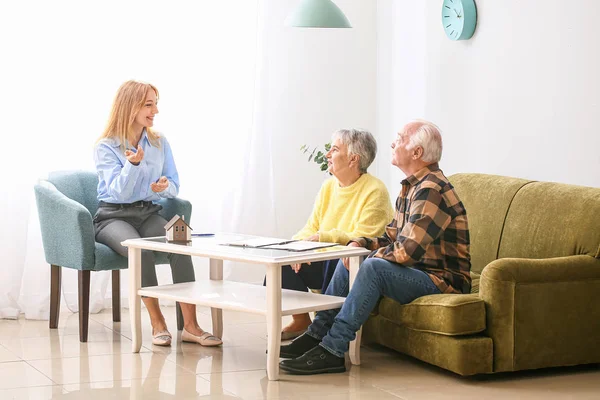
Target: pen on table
<point x="203" y="234"/>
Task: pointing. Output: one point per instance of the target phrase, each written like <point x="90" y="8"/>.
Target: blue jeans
<point x="376" y="277"/>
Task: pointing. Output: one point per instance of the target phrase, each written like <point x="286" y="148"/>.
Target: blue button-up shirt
<point x="122" y="182"/>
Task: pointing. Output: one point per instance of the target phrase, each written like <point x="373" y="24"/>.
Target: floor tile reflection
<point x="41" y="363"/>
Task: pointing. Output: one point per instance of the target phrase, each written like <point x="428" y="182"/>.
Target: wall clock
<point x="459" y="18"/>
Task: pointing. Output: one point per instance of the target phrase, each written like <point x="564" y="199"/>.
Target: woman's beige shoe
<point x="162" y="338"/>
<point x="206" y="339"/>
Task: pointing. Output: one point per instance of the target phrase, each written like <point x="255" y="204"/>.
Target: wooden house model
<point x="177" y="230"/>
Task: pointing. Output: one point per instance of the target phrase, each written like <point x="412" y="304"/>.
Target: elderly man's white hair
<point x="427" y="135"/>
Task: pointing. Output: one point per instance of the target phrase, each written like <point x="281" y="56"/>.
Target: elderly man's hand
<point x="346" y="261"/>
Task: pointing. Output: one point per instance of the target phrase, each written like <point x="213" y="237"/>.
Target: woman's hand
<point x="296" y="267"/>
<point x="135" y="158"/>
<point x="313" y="238"/>
<point x="160" y="185"/>
<point x="346" y="260"/>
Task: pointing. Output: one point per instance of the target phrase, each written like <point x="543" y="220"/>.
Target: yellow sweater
<point x="343" y="213"/>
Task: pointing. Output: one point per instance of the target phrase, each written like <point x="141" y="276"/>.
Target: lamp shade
<point x="318" y="14"/>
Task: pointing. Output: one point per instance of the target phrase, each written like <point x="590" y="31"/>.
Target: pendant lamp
<point x="318" y="14"/>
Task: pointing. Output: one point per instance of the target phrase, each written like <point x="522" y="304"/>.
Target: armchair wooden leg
<point x="179" y="316"/>
<point x="55" y="275"/>
<point x="116" y="295"/>
<point x="84" y="304"/>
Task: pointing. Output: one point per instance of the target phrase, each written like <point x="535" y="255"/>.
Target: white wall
<point x="520" y="98"/>
<point x="319" y="80"/>
<point x="400" y="78"/>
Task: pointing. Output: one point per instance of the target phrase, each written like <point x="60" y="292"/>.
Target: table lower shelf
<point x="241" y="297"/>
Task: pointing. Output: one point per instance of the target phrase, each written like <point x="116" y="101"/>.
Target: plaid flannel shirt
<point x="429" y="232"/>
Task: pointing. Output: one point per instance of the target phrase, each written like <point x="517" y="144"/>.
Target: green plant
<point x="319" y="157"/>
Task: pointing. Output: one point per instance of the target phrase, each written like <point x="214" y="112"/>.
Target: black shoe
<point x="315" y="361"/>
<point x="299" y="346"/>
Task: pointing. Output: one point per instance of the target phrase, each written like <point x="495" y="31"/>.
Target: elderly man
<point x="352" y="203"/>
<point x="425" y="250"/>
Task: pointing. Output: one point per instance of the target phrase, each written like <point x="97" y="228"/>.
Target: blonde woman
<point x="136" y="168"/>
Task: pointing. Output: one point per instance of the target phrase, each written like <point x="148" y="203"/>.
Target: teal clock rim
<point x="469" y="21"/>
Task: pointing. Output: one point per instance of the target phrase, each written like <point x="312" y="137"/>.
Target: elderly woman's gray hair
<point x="359" y="142"/>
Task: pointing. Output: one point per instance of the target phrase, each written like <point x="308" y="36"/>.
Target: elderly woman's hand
<point x="313" y="238"/>
<point x="296" y="267"/>
<point x="346" y="260"/>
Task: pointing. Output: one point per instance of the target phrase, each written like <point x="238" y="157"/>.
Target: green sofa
<point x="535" y="299"/>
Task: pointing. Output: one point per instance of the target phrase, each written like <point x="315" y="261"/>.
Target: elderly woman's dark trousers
<point x="317" y="275"/>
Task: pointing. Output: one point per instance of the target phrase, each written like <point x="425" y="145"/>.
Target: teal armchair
<point x="66" y="203"/>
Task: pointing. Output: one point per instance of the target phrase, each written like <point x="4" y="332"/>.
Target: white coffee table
<point x="271" y="301"/>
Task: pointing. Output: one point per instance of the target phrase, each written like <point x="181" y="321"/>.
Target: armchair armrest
<point x="542" y="312"/>
<point x="175" y="206"/>
<point x="67" y="229"/>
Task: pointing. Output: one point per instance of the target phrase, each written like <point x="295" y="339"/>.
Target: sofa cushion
<point x="444" y="314"/>
<point x="487" y="199"/>
<point x="464" y="355"/>
<point x="552" y="220"/>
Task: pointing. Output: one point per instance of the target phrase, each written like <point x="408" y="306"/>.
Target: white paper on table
<point x="259" y="242"/>
<point x="301" y="245"/>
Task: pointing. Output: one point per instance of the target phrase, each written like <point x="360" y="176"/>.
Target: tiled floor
<point x="39" y="363"/>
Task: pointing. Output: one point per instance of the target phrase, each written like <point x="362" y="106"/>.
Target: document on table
<point x="258" y="242"/>
<point x="300" y="245"/>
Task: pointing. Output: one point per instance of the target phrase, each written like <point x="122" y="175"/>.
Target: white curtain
<point x="239" y="94"/>
<point x="62" y="63"/>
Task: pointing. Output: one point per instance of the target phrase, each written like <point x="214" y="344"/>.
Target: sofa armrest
<point x="67" y="229"/>
<point x="174" y="206"/>
<point x="560" y="269"/>
<point x="542" y="312"/>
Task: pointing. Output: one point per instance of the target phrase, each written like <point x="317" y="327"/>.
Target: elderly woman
<point x="351" y="204"/>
